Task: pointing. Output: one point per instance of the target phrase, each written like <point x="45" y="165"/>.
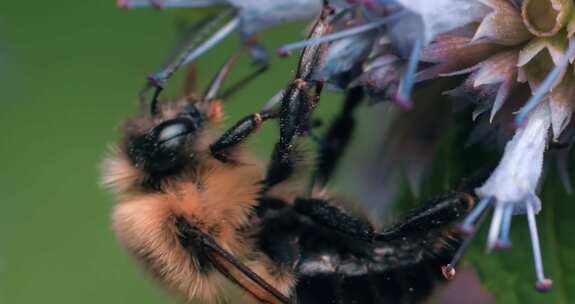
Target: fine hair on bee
<point x="200" y="214"/>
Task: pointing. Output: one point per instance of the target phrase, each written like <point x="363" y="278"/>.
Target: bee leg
<point x="298" y="101"/>
<point x="297" y="104"/>
<point x="335" y="141"/>
<point x="329" y="216"/>
<point x="206" y="36"/>
<point x="439" y="213"/>
<point x="223" y="147"/>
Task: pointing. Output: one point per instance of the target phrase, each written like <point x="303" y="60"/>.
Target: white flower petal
<point x="440" y="16"/>
<point x="515" y="178"/>
<point x="256" y="15"/>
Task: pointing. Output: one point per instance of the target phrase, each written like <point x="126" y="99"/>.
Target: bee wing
<point x="231" y="267"/>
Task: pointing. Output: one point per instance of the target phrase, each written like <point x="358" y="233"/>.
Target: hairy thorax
<point x="217" y="199"/>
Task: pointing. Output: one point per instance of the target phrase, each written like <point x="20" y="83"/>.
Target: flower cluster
<point x="505" y="49"/>
<point x="515" y="58"/>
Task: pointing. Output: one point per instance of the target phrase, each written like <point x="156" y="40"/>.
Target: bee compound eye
<point x="171" y="135"/>
<point x="162" y="149"/>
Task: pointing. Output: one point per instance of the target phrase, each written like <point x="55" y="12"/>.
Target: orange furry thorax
<point x="218" y="202"/>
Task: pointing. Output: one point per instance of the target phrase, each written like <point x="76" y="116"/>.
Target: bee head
<point x="165" y="142"/>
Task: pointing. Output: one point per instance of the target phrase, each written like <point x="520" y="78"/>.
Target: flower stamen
<point x="504" y="242"/>
<point x="467" y="227"/>
<point x="542" y="284"/>
<point x="495" y="226"/>
<point x="545" y="86"/>
<point x="404" y="93"/>
<point x="286" y="49"/>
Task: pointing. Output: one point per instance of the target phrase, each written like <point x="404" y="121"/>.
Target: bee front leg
<point x="223" y="147"/>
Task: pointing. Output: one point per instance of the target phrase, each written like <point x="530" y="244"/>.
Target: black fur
<point x="335" y="218"/>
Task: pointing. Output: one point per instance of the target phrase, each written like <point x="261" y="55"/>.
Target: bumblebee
<point x="199" y="213"/>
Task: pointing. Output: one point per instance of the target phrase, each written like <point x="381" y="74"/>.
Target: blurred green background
<point x="69" y="72"/>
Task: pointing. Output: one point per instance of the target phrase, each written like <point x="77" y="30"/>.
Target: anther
<point x="282" y="52"/>
<point x="544" y="286"/>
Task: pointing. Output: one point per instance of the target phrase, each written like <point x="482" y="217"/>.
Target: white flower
<point x="441" y="16"/>
<point x="511" y="188"/>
